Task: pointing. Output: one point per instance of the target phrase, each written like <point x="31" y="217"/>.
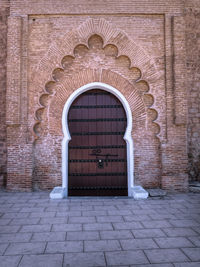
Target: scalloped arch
<point x="65" y="46"/>
<point x="126" y="47"/>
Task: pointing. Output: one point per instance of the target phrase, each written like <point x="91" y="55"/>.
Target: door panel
<point x="97" y="150"/>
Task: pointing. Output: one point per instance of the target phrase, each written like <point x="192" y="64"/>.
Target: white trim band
<point x="67" y="137"/>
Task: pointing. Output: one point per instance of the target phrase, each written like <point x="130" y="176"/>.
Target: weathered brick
<point x="158" y="41"/>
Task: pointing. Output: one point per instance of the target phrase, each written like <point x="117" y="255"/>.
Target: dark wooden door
<point x="97" y="151"/>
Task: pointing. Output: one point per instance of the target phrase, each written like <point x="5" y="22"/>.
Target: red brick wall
<point x="146" y="37"/>
<point x="93" y="62"/>
<point x="4" y="12"/>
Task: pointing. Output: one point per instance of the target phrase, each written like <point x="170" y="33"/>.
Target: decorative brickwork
<point x="138" y="47"/>
<point x="63" y="76"/>
<point x="14" y="48"/>
<point x="180" y="100"/>
<point x="70" y="77"/>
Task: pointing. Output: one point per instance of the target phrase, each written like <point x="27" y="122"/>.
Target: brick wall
<point x="192" y="16"/>
<point x="4" y="12"/>
<point x="110" y="68"/>
<point x="141" y="52"/>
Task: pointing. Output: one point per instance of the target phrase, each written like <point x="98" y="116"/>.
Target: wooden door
<point x="97" y="151"/>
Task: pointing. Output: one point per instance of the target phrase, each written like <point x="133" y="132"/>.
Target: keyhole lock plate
<point x="100" y="164"/>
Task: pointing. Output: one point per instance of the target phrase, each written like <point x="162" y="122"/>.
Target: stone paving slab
<point x="62" y="247"/>
<point x="144" y="211"/>
<point x="156" y="224"/>
<point x="9" y="261"/>
<point x="126" y="257"/>
<point x="173" y="242"/>
<point x="18" y="237"/>
<point x="49" y="214"/>
<point x="192" y="253"/>
<point x="110" y="218"/>
<point x="175" y="232"/>
<point x="67" y="213"/>
<point x="165" y="255"/>
<point x="127" y="225"/>
<point x="119" y="212"/>
<point x="132" y="218"/>
<point x="36" y="231"/>
<point x="9" y="229"/>
<point x="94" y="213"/>
<point x="163" y="216"/>
<point x="147" y="233"/>
<point x="56" y="208"/>
<point x="83" y="235"/>
<point x="50" y="236"/>
<point x="82" y="219"/>
<point x="97" y="226"/>
<point x="55" y="220"/>
<point x="15" y="215"/>
<point x="25" y="248"/>
<point x="55" y="260"/>
<point x="33" y="210"/>
<point x="101" y="245"/>
<point x="35" y="228"/>
<point x="187" y="264"/>
<point x="86" y="259"/>
<point x="66" y="227"/>
<point x="117" y="234"/>
<point x="27" y="221"/>
<point x="132" y="244"/>
<point x="184" y="223"/>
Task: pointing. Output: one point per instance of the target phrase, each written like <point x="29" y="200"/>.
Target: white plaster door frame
<point x="127" y="136"/>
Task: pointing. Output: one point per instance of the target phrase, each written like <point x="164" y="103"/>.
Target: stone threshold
<point x="137" y="192"/>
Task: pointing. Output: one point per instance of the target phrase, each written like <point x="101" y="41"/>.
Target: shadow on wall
<point x="194" y="167"/>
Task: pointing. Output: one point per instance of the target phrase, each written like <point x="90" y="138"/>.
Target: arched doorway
<point x="97" y="151"/>
<point x="60" y="192"/>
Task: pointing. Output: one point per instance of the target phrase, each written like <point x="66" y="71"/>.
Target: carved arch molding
<point x="140" y="92"/>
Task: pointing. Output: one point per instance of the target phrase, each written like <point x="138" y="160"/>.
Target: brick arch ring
<point x="65" y="46"/>
<point x="127" y="135"/>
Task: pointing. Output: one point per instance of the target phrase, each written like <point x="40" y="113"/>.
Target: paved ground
<point x="38" y="232"/>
